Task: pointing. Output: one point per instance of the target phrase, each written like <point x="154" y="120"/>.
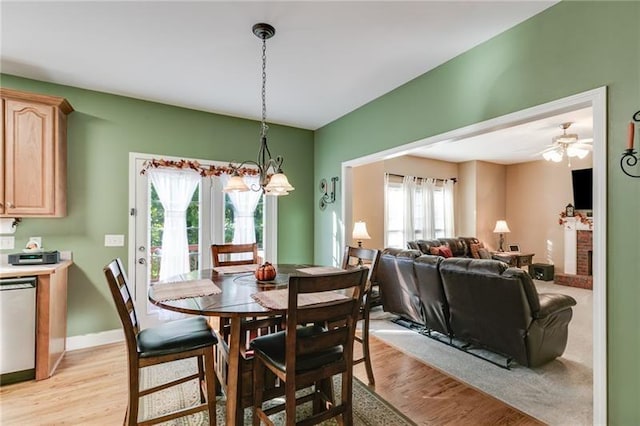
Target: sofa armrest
<point x="550" y="303"/>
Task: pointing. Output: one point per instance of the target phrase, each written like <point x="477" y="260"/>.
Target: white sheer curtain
<point x="175" y="189"/>
<point x="244" y="207"/>
<point x="449" y="217"/>
<point x="387" y="215"/>
<point x="409" y="195"/>
<point x="427" y="225"/>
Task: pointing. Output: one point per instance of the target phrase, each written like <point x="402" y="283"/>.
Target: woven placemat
<point x="279" y="299"/>
<point x="184" y="289"/>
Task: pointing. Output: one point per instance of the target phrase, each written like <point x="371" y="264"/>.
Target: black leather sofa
<point x="460" y="246"/>
<point x="482" y="302"/>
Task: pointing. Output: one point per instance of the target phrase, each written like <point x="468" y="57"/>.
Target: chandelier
<point x="272" y="181"/>
<point x="567" y="144"/>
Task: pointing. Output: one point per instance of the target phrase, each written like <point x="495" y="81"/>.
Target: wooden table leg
<point x="235" y="412"/>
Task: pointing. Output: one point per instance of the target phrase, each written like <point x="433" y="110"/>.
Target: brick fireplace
<point x="578" y="255"/>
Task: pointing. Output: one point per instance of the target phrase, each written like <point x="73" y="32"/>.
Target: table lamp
<point x="501" y="228"/>
<point x="360" y="232"/>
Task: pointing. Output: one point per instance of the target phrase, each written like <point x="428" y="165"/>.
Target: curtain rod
<point x="455" y="180"/>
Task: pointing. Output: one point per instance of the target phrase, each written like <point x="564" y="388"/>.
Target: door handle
<point x="142" y="261"/>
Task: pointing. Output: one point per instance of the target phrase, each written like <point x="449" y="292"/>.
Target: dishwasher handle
<point x="17" y="283"/>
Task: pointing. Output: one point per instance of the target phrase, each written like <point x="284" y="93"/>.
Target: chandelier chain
<point x="264" y="87"/>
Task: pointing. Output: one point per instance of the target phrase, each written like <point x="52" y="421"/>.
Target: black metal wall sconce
<point x="328" y="191"/>
<point x="630" y="158"/>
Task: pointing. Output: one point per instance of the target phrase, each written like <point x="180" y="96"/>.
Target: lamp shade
<point x="235" y="184"/>
<point x="501" y="227"/>
<point x="278" y="185"/>
<point x="360" y="231"/>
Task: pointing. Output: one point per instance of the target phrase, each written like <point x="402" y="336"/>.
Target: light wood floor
<point x="90" y="388"/>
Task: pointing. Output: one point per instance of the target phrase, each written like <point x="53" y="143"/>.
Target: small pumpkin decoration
<point x="265" y="272"/>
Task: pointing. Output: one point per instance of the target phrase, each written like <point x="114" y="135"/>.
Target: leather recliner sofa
<point x="460" y="246"/>
<point x="483" y="302"/>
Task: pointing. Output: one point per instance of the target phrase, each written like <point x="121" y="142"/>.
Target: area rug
<point x="368" y="408"/>
<point x="558" y="393"/>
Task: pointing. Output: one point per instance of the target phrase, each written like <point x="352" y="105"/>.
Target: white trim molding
<point x="94" y="339"/>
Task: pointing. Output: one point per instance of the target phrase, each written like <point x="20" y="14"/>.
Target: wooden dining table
<point x="234" y="302"/>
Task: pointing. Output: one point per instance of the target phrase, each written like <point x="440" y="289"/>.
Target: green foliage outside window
<point x="193" y="228"/>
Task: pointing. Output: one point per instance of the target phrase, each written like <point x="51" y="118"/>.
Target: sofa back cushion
<point x="457" y="246"/>
<point x="398" y="284"/>
<point x="486" y="305"/>
<point x="434" y="302"/>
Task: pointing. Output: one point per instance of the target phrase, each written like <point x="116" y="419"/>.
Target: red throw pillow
<point x="444" y="251"/>
<point x="434" y="251"/>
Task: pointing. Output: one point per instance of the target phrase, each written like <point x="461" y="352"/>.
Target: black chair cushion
<point x="273" y="347"/>
<point x="176" y="336"/>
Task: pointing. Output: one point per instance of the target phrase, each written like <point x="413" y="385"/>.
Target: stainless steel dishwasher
<point x="17" y="329"/>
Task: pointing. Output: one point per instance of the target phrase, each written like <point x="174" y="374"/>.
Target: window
<point x="417" y="208"/>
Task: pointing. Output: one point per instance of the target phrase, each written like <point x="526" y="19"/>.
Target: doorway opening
<point x="594" y="99"/>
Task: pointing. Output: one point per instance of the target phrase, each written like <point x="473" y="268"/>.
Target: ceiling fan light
<point x="553" y="155"/>
<point x="573" y="151"/>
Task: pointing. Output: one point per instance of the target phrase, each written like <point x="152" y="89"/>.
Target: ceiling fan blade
<point x="585" y="140"/>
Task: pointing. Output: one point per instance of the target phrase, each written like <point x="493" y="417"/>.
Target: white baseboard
<point x="94" y="339"/>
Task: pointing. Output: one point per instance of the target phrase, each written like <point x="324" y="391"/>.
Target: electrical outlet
<point x="111" y="240"/>
<point x="7" y="243"/>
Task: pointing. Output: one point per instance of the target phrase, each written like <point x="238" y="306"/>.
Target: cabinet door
<point x="30" y="160"/>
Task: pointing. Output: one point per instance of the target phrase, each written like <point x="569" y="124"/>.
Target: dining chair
<point x="307" y="354"/>
<point x="358" y="256"/>
<point x="227" y="249"/>
<point x="250" y="328"/>
<point x="172" y="341"/>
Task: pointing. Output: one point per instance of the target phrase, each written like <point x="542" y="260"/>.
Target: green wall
<point x="567" y="49"/>
<point x="102" y="131"/>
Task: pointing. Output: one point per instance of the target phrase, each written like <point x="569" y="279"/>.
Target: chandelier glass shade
<point x="272" y="180"/>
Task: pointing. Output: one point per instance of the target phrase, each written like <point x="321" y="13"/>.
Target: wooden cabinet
<point x="33" y="158"/>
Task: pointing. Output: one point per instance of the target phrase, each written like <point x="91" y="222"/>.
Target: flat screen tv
<point x="582" y="181"/>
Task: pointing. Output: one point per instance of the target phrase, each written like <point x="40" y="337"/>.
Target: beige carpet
<point x="558" y="393"/>
<point x="368" y="408"/>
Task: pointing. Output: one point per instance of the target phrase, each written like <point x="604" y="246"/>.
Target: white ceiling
<point x="326" y="59"/>
<point x="512" y="145"/>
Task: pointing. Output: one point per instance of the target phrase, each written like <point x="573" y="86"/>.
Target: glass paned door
<point x="209" y="218"/>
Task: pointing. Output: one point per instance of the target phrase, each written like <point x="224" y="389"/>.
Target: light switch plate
<point x="7" y="243"/>
<point x="114" y="240"/>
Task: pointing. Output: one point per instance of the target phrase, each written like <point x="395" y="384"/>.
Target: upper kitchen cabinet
<point x="33" y="159"/>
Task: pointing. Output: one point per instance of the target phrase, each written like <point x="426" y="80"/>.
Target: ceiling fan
<point x="567" y="144"/>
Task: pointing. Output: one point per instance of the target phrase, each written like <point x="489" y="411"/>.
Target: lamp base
<point x="501" y="242"/>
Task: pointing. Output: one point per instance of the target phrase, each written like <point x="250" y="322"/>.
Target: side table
<point x="514" y="258"/>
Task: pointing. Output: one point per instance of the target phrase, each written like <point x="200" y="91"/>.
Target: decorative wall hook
<point x="630" y="158"/>
<point x="328" y="192"/>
